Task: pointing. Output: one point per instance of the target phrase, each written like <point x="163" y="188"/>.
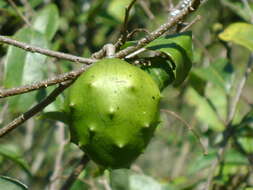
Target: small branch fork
<point x="71" y="76"/>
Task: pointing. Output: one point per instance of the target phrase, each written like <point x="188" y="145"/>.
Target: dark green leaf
<point x="161" y="71"/>
<point x="7" y="183"/>
<point x="179" y="48"/>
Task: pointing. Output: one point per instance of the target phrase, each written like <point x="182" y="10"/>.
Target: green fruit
<point x="114" y="112"/>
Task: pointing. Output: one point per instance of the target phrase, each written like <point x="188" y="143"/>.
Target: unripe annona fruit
<point x="114" y="112"/>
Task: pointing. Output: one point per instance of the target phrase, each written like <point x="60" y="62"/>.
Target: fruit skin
<point x="114" y="110"/>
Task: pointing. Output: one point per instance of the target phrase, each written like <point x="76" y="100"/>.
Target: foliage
<point x="200" y="73"/>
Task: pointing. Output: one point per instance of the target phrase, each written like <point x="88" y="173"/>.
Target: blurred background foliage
<point x="174" y="159"/>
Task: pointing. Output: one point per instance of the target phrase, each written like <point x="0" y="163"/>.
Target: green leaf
<point x="57" y="109"/>
<point x="119" y="179"/>
<point x="204" y="111"/>
<point x="47" y="21"/>
<point x="179" y="48"/>
<point x="142" y="182"/>
<point x="8" y="183"/>
<point x="220" y="73"/>
<point x="117" y="9"/>
<point x="201" y="163"/>
<point x="12" y="152"/>
<point x="56" y="115"/>
<point x="239" y="33"/>
<point x="23" y="68"/>
<point x="124" y="179"/>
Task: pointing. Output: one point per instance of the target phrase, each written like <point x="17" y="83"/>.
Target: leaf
<point x="11" y="152"/>
<point x="179" y="48"/>
<point x="119" y="179"/>
<point x="57" y="109"/>
<point x="201" y="163"/>
<point x="142" y="182"/>
<point x="124" y="179"/>
<point x="117" y="9"/>
<point x="11" y="184"/>
<point x="47" y="21"/>
<point x="204" y="112"/>
<point x="23" y="68"/>
<point x="161" y="71"/>
<point x="220" y="73"/>
<point x="239" y="33"/>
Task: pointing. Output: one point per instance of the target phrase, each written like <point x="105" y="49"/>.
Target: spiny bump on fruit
<point x="120" y="145"/>
<point x="146" y="125"/>
<point x="117" y="142"/>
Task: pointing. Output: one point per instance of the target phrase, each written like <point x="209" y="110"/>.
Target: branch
<point x="33" y="111"/>
<point x="43" y="84"/>
<point x="79" y="168"/>
<point x="227" y="134"/>
<point x="58" y="165"/>
<point x="47" y="52"/>
<point x="193" y="5"/>
<point x="123" y="38"/>
<point x="160" y="31"/>
<point x="239" y="90"/>
<point x="14" y="6"/>
<point x="189" y="127"/>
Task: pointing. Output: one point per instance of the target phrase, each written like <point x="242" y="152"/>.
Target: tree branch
<point x="43" y="84"/>
<point x="14" y="6"/>
<point x="193" y="5"/>
<point x="76" y="172"/>
<point x="33" y="111"/>
<point x="160" y="31"/>
<point x="47" y="52"/>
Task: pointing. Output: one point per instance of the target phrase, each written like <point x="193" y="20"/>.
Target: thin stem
<point x="76" y="172"/>
<point x="47" y="52"/>
<point x="160" y="31"/>
<point x="58" y="168"/>
<point x="239" y="90"/>
<point x="193" y="5"/>
<point x="227" y="134"/>
<point x="33" y="111"/>
<point x="43" y="84"/>
<point x="205" y="151"/>
<point x="124" y="31"/>
<point x="196" y="19"/>
<point x="14" y="6"/>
